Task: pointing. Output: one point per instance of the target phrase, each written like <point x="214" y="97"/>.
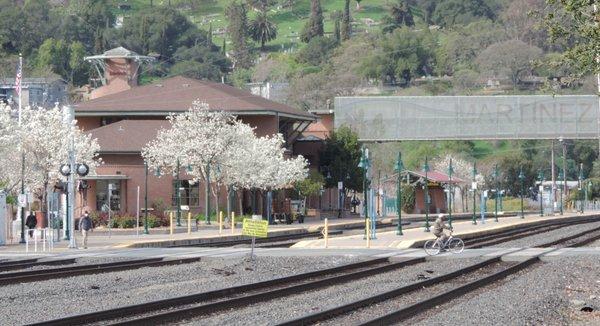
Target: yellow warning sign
<point x="255" y="228"/>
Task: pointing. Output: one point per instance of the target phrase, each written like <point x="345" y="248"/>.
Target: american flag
<point x="18" y="78"/>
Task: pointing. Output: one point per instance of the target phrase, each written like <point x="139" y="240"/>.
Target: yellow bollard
<point x="232" y="222"/>
<point x="220" y="222"/>
<point x="326" y="233"/>
<point x="189" y="222"/>
<point x="171" y="222"/>
<point x="368" y="228"/>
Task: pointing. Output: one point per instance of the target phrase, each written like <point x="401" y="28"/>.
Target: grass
<point x="290" y="21"/>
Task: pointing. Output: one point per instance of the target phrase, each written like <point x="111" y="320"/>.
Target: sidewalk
<point x="415" y="237"/>
<point x="160" y="237"/>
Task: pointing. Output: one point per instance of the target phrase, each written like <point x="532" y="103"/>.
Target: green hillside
<point x="289" y="20"/>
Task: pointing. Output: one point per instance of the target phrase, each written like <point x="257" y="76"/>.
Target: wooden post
<point x="220" y="222"/>
<point x="189" y="223"/>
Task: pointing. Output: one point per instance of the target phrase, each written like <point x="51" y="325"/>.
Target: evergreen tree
<point x="209" y="40"/>
<point x="262" y="29"/>
<point x="346" y="28"/>
<point x="314" y="26"/>
<point x="337" y="32"/>
<point x="238" y="30"/>
<point x="400" y="15"/>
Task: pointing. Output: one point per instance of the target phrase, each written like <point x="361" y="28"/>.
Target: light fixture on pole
<point x="497" y="193"/>
<point x="66" y="170"/>
<point x="561" y="177"/>
<point x="580" y="186"/>
<point x="426" y="170"/>
<point x="522" y="181"/>
<point x="450" y="192"/>
<point x="399" y="167"/>
<point x="364" y="165"/>
<point x="541" y="191"/>
<point x="474" y="188"/>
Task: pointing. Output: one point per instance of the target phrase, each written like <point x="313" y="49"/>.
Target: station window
<point x="189" y="192"/>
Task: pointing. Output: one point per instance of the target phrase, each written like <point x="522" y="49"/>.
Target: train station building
<point x="124" y="117"/>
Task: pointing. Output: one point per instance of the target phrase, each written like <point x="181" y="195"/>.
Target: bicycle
<point x="433" y="247"/>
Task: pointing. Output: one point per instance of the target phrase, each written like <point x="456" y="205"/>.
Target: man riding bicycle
<point x="438" y="229"/>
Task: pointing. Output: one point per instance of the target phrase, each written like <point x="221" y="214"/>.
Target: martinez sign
<point x="469" y="117"/>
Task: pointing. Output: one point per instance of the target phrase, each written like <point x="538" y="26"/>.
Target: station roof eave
<point x="177" y="94"/>
<point x="435" y="176"/>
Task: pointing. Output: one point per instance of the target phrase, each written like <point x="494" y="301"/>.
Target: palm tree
<point x="262" y="29"/>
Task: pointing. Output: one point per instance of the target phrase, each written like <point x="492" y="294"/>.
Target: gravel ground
<point x="383" y="308"/>
<point x="541" y="238"/>
<point x="49" y="299"/>
<point x="283" y="309"/>
<point x="550" y="293"/>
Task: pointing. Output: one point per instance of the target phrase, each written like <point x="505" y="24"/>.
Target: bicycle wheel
<point x="456" y="246"/>
<point x="432" y="247"/>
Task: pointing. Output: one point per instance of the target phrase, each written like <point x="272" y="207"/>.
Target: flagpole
<point x="22" y="152"/>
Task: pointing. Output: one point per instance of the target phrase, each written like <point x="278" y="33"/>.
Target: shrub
<point x="408" y="198"/>
<point x="125" y="221"/>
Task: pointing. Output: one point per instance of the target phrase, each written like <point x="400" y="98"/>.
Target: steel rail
<point x="136" y="309"/>
<point x="35" y="262"/>
<point x="412" y="310"/>
<point x="205" y="309"/>
<point x="46" y="274"/>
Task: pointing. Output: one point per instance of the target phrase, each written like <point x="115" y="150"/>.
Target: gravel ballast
<point x="538" y="239"/>
<point x="58" y="298"/>
<point x="78" y="262"/>
<point x="550" y="293"/>
<point x="290" y="307"/>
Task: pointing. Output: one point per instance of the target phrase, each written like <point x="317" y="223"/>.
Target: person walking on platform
<point x="85" y="225"/>
<point x="31" y="223"/>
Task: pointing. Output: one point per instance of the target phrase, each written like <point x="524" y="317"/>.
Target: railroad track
<point x="519" y="233"/>
<point x="27" y="263"/>
<point x="203" y="304"/>
<point x="464" y="285"/>
<point x="53" y="273"/>
<point x="174" y="309"/>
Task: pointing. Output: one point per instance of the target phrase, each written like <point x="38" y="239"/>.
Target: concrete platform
<point x="416" y="237"/>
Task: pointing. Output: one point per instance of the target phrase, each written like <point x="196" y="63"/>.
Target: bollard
<point x="326" y="233"/>
<point x="189" y="222"/>
<point x="368" y="227"/>
<point x="220" y="222"/>
<point x="171" y="222"/>
<point x="232" y="222"/>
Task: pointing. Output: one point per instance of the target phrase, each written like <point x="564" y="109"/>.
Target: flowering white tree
<point x="221" y="149"/>
<point x="44" y="139"/>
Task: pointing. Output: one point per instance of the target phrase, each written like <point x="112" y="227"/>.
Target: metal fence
<point x="469" y="117"/>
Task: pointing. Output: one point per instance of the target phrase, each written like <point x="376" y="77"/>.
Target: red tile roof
<point x="176" y="94"/>
<point x="127" y="136"/>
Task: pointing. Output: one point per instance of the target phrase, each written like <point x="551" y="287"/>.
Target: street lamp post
<point x="178" y="195"/>
<point x="146" y="198"/>
<point x="561" y="177"/>
<point x="541" y="191"/>
<point x="522" y="181"/>
<point x="580" y="186"/>
<point x="474" y="188"/>
<point x="398" y="168"/>
<point x="497" y="193"/>
<point x="450" y="192"/>
<point x="426" y="169"/>
<point x="364" y="165"/>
